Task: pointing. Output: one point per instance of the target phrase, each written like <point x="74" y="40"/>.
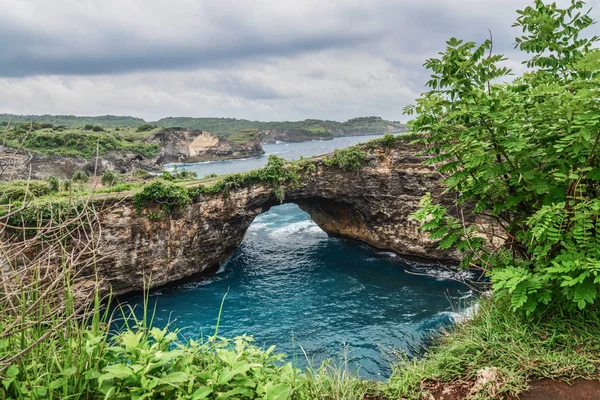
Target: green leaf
<point x="202" y="393"/>
<point x="119" y="371"/>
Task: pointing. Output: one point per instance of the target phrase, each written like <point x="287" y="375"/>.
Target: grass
<point x="244" y="136"/>
<point x="56" y="346"/>
<point x="56" y="340"/>
<point x="558" y="346"/>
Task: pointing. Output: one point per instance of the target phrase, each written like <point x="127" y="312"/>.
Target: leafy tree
<point x="525" y="154"/>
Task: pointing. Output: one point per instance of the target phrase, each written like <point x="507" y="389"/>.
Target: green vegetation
<point x="179" y="174"/>
<point x="53" y="184"/>
<point x="109" y="178"/>
<point x="145" y="128"/>
<point x="516" y="350"/>
<point x="80" y="177"/>
<point x="76" y="142"/>
<point x="275" y="174"/>
<point x="349" y="159"/>
<point x="244" y="136"/>
<point x="86" y="137"/>
<point x="526" y="154"/>
<point x="166" y="195"/>
<point x="71" y="120"/>
<point x="23" y="190"/>
<point x="227" y="127"/>
<point x="224" y="127"/>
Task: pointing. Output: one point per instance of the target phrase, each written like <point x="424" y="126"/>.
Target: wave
<point x="297" y="228"/>
<point x="464" y="315"/>
<point x="443" y="273"/>
<point x="257" y="226"/>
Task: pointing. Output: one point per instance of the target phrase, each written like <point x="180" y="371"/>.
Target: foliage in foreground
<point x="559" y="345"/>
<point x="526" y="154"/>
<point x="57" y="340"/>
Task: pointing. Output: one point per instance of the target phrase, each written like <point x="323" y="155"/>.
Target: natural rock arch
<point x="371" y="205"/>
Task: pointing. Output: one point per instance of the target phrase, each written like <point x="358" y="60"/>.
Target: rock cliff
<point x="188" y="145"/>
<point x="371" y="205"/>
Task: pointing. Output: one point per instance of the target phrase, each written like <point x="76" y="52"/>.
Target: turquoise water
<point x="334" y="298"/>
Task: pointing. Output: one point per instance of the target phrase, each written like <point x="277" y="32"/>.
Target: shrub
<point x="185" y="174"/>
<point x="98" y="129"/>
<point x="145" y="128"/>
<point x="88" y="127"/>
<point x="388" y="140"/>
<point x="524" y="153"/>
<point x="80" y="177"/>
<point x="140" y="174"/>
<point x="349" y="159"/>
<point x="53" y="183"/>
<point x="20" y="190"/>
<point x="168" y="196"/>
<point x="109" y="178"/>
<point x="167" y="176"/>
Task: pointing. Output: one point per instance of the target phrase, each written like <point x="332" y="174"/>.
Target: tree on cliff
<point x="526" y="154"/>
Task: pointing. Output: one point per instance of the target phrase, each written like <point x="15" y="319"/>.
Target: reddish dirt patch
<point x="545" y="389"/>
<point x="451" y="391"/>
<point x="548" y="389"/>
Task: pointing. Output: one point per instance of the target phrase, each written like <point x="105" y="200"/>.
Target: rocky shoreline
<point x="182" y="145"/>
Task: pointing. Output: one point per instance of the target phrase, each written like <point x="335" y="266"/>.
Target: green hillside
<point x="72" y="120"/>
<point x="228" y="126"/>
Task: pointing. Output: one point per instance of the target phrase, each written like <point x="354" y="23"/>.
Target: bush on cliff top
<point x="275" y="173"/>
<point x="348" y="159"/>
<point x="166" y="195"/>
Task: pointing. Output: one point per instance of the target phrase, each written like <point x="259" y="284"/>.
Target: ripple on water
<point x="288" y="281"/>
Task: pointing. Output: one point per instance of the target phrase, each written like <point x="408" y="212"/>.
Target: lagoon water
<point x="291" y="285"/>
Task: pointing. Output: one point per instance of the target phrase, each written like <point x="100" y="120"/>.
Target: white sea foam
<point x="257" y="226"/>
<point x="444" y="273"/>
<point x="295" y="228"/>
<point x="387" y="254"/>
<point x="465" y="315"/>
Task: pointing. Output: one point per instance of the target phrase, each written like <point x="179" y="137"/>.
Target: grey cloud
<point x="216" y="36"/>
<point x="75" y="41"/>
<point x="259" y="59"/>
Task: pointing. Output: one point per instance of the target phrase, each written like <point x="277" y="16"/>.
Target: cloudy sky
<point x="254" y="59"/>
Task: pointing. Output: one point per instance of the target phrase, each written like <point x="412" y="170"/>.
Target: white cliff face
<point x="188" y="145"/>
<point x="202" y="143"/>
